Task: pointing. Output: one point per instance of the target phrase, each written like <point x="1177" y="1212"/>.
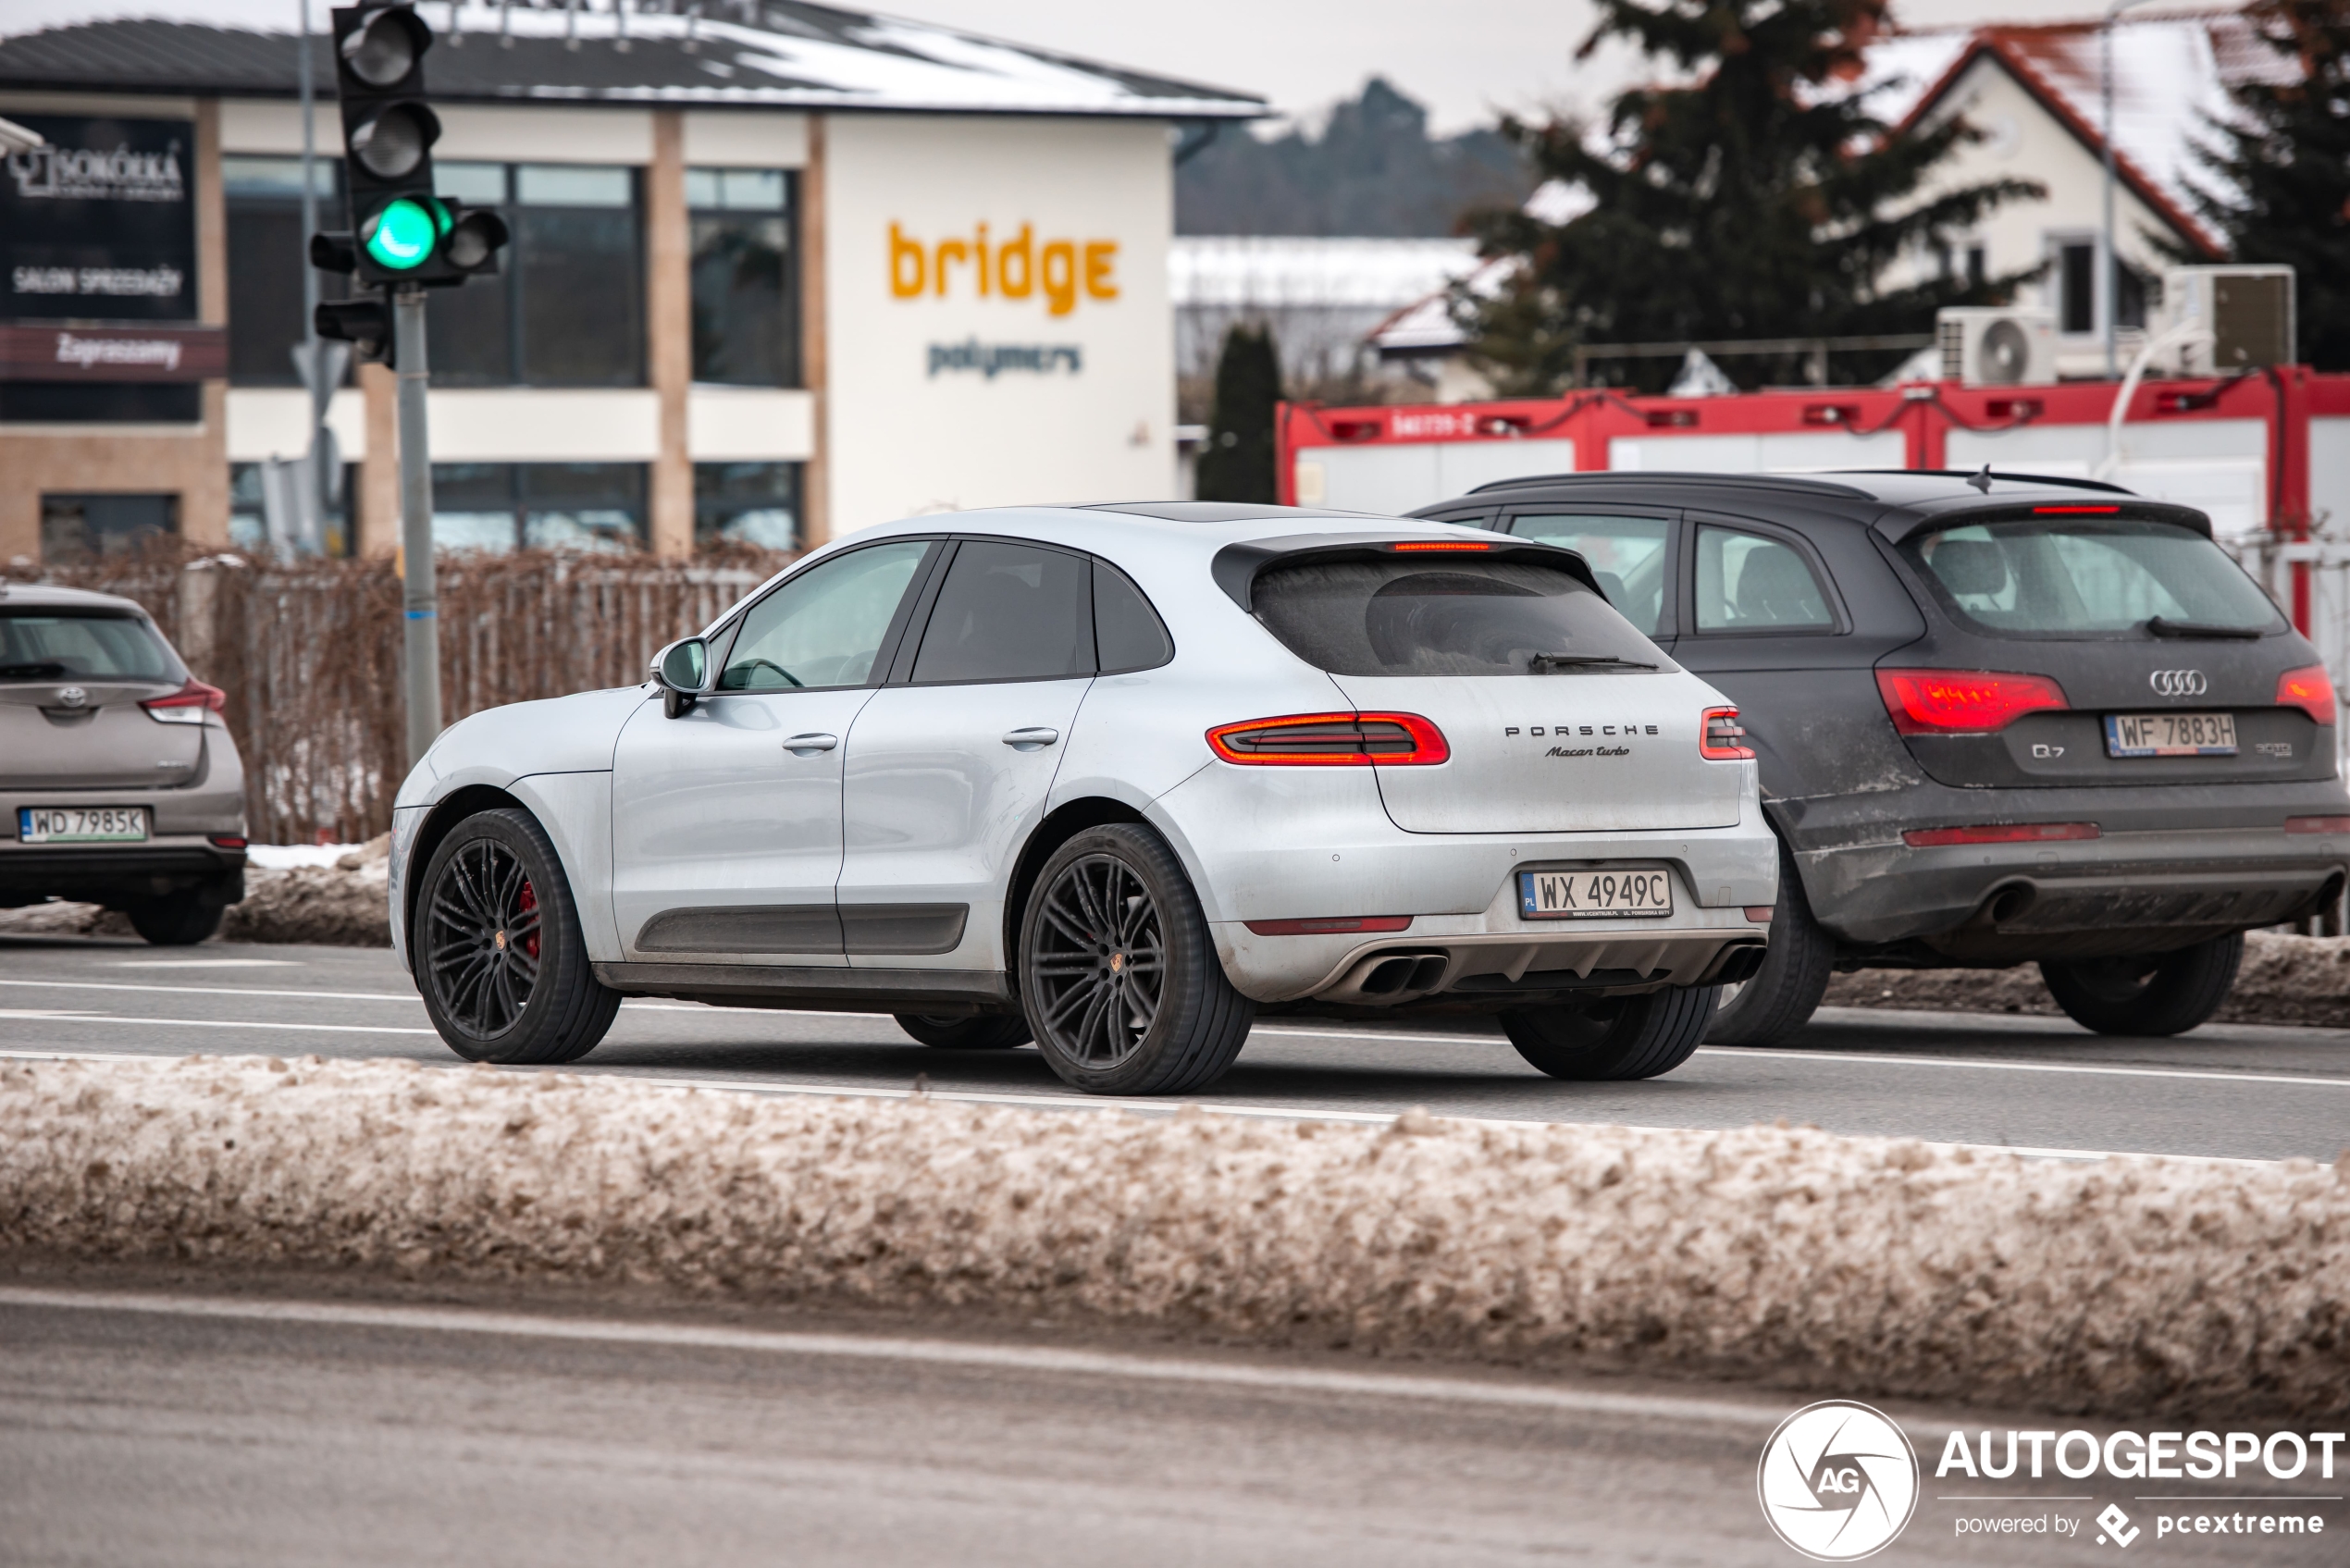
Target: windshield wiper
<point x="2161" y="627"/>
<point x="1542" y="661"/>
<point x="43" y="669"/>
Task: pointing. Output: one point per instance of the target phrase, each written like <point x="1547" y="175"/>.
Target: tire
<point x="2153" y="994"/>
<point x="1785" y="991"/>
<point x="498" y="951"/>
<point x="1166" y="1022"/>
<point x="177" y="919"/>
<point x="982" y="1033"/>
<point x="1615" y="1039"/>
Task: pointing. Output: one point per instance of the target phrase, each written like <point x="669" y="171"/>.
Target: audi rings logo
<point x="2178" y="683"/>
<point x="1838" y="1481"/>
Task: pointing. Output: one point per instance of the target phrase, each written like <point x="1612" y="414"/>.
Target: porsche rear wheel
<point x="498" y="951"/>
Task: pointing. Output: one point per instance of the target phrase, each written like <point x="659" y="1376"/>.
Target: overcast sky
<point x="1464" y="58"/>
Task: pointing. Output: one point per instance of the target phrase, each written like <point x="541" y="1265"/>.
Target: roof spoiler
<point x="1237" y="566"/>
<point x="1902" y="522"/>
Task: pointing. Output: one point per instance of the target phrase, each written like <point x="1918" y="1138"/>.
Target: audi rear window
<point x="55" y="644"/>
<point x="2089" y="577"/>
<point x="1454" y="617"/>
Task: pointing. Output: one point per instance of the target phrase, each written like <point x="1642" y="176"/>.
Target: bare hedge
<point x="309" y="654"/>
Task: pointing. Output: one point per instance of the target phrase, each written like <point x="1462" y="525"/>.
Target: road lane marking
<point x="207" y="964"/>
<point x="1166" y="1107"/>
<point x="214" y="990"/>
<point x="933" y="1352"/>
<point x="53" y="1017"/>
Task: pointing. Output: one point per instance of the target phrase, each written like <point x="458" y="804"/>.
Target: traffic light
<point x="400" y="233"/>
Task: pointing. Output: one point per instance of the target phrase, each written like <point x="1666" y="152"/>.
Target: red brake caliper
<point x="528" y="902"/>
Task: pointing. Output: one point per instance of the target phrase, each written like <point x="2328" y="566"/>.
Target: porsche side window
<point x="1626" y="554"/>
<point x="1127" y="631"/>
<point x="1749" y="582"/>
<point x="1008" y="613"/>
<point x="825" y="626"/>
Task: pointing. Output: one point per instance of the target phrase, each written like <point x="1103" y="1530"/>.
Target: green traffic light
<point x="402" y="235"/>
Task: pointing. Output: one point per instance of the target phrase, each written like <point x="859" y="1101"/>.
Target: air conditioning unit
<point x="1996" y="345"/>
<point x="2247" y="311"/>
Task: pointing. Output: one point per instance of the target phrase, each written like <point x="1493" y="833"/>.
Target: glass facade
<point x="748" y="503"/>
<point x="498" y="507"/>
<point x="567" y="308"/>
<point x="267" y="253"/>
<point x="746" y="280"/>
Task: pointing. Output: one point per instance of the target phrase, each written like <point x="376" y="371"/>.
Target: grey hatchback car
<point x="2000" y="720"/>
<point x="120" y="783"/>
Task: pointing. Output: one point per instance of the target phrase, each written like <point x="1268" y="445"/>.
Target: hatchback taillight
<point x="2309" y="689"/>
<point x="1721" y="738"/>
<point x="1931" y="703"/>
<point x="188" y="705"/>
<point x="1331" y="740"/>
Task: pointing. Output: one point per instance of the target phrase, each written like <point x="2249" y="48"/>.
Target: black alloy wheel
<point x="498" y="951"/>
<point x="2153" y="994"/>
<point x="1118" y="975"/>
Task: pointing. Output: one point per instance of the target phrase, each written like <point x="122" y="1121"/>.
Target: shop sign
<point x="113" y="353"/>
<point x="99" y="224"/>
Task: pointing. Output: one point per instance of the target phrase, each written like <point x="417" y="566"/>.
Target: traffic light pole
<point x="420" y="602"/>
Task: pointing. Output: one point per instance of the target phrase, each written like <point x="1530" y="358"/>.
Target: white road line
<point x="207" y="964"/>
<point x="53" y="1016"/>
<point x="1154" y="1108"/>
<point x="933" y="1352"/>
<point x="215" y="989"/>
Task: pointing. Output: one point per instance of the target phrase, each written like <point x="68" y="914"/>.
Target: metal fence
<point x="309" y="654"/>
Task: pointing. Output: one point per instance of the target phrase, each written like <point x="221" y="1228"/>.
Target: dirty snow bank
<point x="290" y="895"/>
<point x="2285" y="978"/>
<point x="1851" y="1265"/>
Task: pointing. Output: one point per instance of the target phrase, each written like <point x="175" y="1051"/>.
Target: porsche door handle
<point x="1031" y="738"/>
<point x="809" y="745"/>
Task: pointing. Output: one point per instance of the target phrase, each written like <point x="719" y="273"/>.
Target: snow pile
<point x="344" y="905"/>
<point x="1851" y="1265"/>
<point x="2285" y="978"/>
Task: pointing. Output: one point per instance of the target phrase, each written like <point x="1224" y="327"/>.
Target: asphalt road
<point x="237" y="1432"/>
<point x="2230" y="1091"/>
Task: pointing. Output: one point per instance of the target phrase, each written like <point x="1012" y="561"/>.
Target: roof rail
<point x="1599" y="477"/>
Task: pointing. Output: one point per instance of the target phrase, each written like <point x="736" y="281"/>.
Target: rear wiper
<point x="47" y="670"/>
<point x="1541" y="661"/>
<point x="2161" y="627"/>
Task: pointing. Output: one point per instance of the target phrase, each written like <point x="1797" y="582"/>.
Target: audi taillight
<point x="188" y="705"/>
<point x="1331" y="740"/>
<point x="1721" y="738"/>
<point x="1934" y="702"/>
<point x="2309" y="689"/>
<point x="2001" y="833"/>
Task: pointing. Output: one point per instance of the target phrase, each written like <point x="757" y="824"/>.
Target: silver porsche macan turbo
<point x="1113" y="779"/>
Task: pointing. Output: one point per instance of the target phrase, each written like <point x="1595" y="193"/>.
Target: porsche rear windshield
<point x="2089" y="577"/>
<point x="48" y="644"/>
<point x="1412" y="616"/>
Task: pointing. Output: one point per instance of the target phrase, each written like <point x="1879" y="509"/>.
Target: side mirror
<point x="682" y="671"/>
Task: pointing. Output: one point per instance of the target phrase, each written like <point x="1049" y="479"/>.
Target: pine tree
<point x="1237" y="464"/>
<point x="2285" y="166"/>
<point x="1756" y="196"/>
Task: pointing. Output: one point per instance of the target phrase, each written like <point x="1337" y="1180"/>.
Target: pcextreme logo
<point x="1021" y="268"/>
<point x="1838" y="1481"/>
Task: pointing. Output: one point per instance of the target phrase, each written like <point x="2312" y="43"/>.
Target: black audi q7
<point x="1999" y="719"/>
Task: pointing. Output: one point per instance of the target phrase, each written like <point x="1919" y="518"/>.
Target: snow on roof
<point x="1256" y="271"/>
<point x="770" y="54"/>
<point x="2170" y="76"/>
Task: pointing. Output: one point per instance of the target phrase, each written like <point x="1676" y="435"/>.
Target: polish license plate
<point x="82" y="824"/>
<point x="2169" y="734"/>
<point x="1592" y="895"/>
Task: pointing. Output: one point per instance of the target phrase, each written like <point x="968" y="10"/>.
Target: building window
<point x="568" y="309"/>
<point x="498" y="507"/>
<point x="745" y="285"/>
<point x="2129" y="296"/>
<point x="748" y="504"/>
<point x="2077" y="287"/>
<point x="77" y="527"/>
<point x="269" y="251"/>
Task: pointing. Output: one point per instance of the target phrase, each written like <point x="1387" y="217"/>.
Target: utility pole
<point x="419" y="596"/>
<point x="2112" y="259"/>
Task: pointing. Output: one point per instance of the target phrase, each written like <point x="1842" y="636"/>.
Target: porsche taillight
<point x="1331" y="740"/>
<point x="1933" y="702"/>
